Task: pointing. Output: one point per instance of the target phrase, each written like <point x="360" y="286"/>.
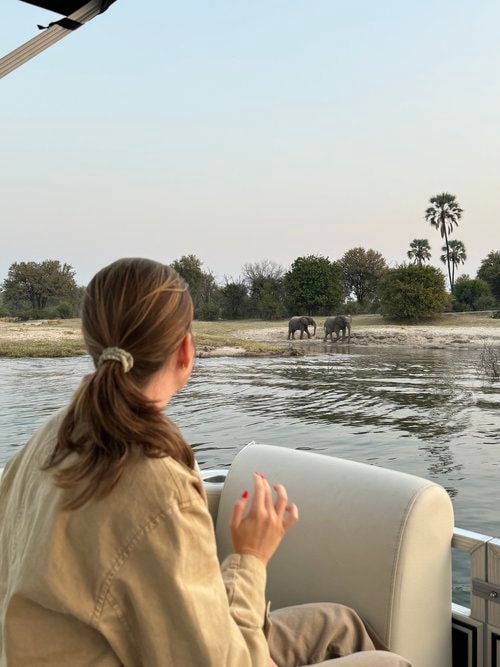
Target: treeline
<point x="359" y="282"/>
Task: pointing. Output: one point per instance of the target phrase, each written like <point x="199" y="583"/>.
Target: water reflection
<point x="359" y="391"/>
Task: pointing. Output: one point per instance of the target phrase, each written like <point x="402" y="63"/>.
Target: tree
<point x="262" y="278"/>
<point x="313" y="283"/>
<point x="444" y="214"/>
<point x="209" y="312"/>
<point x="420" y="251"/>
<point x="209" y="290"/>
<point x="201" y="284"/>
<point x="4" y="311"/>
<point x="257" y="274"/>
<point x="472" y="294"/>
<point x="489" y="270"/>
<point x="189" y="268"/>
<point x="361" y="271"/>
<point x="412" y="292"/>
<point x="454" y="255"/>
<point x="234" y="299"/>
<point x="32" y="284"/>
<point x="270" y="304"/>
<point x="209" y="308"/>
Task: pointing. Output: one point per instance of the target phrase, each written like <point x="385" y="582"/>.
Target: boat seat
<point x="367" y="537"/>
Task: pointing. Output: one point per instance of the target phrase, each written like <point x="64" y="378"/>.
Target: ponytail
<point x="110" y="419"/>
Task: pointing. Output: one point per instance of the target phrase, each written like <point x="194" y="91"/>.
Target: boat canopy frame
<point x="78" y="14"/>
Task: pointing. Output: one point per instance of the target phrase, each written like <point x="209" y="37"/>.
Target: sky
<point x="243" y="131"/>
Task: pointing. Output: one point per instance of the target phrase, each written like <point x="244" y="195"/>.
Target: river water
<point x="425" y="412"/>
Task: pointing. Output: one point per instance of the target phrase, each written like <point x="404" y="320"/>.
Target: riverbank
<point x="62" y="338"/>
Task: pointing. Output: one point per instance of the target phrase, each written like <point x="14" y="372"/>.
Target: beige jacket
<point x="130" y="580"/>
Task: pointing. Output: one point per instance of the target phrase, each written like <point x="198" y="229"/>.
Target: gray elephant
<point x="301" y="322"/>
<point x="336" y="325"/>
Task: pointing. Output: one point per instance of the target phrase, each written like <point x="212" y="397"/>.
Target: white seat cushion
<point x="371" y="538"/>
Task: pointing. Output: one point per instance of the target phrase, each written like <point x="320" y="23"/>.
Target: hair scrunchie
<point x="117" y="354"/>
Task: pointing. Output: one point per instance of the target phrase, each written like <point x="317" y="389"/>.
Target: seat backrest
<point x="370" y="538"/>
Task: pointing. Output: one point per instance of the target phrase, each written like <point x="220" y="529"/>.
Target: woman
<point x="107" y="551"/>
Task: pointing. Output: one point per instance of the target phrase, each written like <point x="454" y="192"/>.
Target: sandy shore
<point x="39" y="330"/>
<point x="436" y="337"/>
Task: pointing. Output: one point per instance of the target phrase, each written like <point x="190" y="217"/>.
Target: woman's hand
<point x="260" y="531"/>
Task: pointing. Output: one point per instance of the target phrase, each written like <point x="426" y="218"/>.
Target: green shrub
<point x="38" y="314"/>
<point x="269" y="306"/>
<point x="412" y="292"/>
<point x="350" y="307"/>
<point x="4" y="312"/>
<point x="65" y="310"/>
<point x="487" y="302"/>
<point x="472" y="294"/>
<point x="209" y="312"/>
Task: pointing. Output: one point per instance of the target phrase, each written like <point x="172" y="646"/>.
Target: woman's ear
<point x="173" y="375"/>
<point x="185" y="354"/>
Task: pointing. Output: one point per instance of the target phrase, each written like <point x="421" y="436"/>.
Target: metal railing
<point x="476" y="630"/>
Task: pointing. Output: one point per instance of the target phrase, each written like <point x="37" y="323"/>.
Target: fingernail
<point x="244" y="494"/>
<point x="261" y="475"/>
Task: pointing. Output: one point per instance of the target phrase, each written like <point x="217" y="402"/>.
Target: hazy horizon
<point x="241" y="132"/>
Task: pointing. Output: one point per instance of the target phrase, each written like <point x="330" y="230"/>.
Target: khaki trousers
<point x="315" y="634"/>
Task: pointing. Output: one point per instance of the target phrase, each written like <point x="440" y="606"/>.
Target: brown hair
<point x="144" y="308"/>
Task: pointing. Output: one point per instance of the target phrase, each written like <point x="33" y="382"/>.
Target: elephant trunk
<point x="314" y="325"/>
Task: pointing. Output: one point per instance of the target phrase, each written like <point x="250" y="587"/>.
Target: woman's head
<point x="139" y="306"/>
<point x="136" y="319"/>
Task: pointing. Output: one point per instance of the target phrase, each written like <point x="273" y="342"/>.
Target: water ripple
<point x="426" y="412"/>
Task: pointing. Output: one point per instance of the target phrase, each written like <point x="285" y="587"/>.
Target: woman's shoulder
<point x="147" y="490"/>
<point x="161" y="482"/>
<point x="35" y="452"/>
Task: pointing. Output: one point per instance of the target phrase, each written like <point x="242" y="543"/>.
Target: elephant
<point x="336" y="325"/>
<point x="300" y="322"/>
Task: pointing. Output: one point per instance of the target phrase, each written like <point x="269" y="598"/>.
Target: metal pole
<point x="46" y="38"/>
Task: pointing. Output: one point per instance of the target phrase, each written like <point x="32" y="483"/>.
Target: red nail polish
<point x="244" y="494"/>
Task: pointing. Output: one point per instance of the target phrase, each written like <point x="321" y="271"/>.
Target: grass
<point x="62" y="338"/>
<point x="41" y="348"/>
<point x="470" y="319"/>
<point x="53" y="338"/>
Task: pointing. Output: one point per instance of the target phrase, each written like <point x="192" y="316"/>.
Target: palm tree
<point x="454" y="254"/>
<point x="420" y="251"/>
<point x="443" y="214"/>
